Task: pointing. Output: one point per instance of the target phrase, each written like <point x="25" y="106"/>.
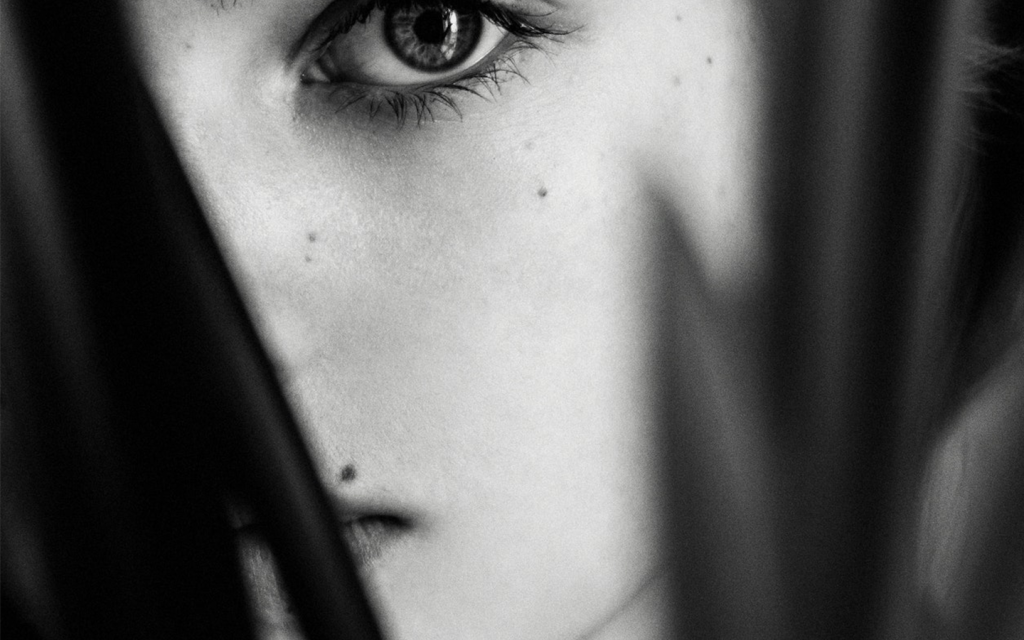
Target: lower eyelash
<point x="420" y="102"/>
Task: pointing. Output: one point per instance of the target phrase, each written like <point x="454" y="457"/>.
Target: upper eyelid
<point x="341" y="15"/>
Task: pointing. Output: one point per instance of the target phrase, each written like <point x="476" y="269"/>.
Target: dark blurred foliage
<point x="991" y="279"/>
<point x="138" y="404"/>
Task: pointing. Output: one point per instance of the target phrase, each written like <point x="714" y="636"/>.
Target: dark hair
<point x="989" y="277"/>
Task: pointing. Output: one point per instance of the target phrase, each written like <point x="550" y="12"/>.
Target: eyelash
<point x="420" y="101"/>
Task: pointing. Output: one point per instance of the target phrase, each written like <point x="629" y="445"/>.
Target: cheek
<point x="694" y="110"/>
<point x="474" y="333"/>
<point x="532" y="274"/>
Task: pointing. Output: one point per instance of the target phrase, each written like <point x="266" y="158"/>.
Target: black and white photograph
<point x="512" y="319"/>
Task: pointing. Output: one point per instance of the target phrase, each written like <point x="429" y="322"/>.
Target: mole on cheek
<point x="347" y="473"/>
<point x="709" y="60"/>
<point x="311" y="236"/>
<point x="542" y="192"/>
<point x="676" y="81"/>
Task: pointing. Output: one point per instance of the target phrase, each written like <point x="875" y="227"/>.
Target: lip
<point x="368" y="530"/>
<point x="369" y="536"/>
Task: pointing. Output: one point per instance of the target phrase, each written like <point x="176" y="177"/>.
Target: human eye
<point x="407" y="57"/>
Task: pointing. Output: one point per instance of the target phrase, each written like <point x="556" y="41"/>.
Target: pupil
<point x="431" y="27"/>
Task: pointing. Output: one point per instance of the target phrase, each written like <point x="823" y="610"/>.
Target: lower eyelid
<point x="420" y="102"/>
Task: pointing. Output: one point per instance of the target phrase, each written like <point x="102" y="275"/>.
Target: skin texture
<point x="461" y="310"/>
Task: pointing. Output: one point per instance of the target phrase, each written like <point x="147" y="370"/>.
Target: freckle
<point x="312" y="236"/>
<point x="347" y="473"/>
<point x="676" y="80"/>
<point x="542" y="192"/>
<point x="679" y="18"/>
<point x="709" y="60"/>
<point x="309" y="259"/>
<point x="529" y="145"/>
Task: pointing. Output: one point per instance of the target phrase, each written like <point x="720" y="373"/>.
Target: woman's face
<point x="459" y="303"/>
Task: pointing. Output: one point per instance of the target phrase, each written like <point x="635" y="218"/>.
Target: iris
<point x="432" y="39"/>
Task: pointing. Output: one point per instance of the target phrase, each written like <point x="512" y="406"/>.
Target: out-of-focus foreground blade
<point x="859" y="103"/>
<point x="719" y="492"/>
<point x="136" y="395"/>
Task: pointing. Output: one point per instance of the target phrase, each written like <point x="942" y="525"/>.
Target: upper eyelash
<point x="517" y="23"/>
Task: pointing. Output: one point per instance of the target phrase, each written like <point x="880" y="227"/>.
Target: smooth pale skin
<point x="479" y="352"/>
